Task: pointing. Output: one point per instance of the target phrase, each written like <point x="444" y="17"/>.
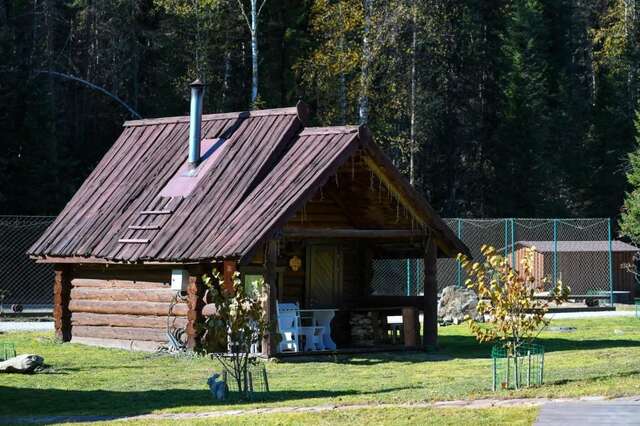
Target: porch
<point x="335" y="274"/>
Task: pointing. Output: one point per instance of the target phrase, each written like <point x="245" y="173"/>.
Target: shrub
<point x="237" y="324"/>
<point x="507" y="298"/>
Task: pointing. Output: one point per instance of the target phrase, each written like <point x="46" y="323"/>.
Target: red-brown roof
<point x="578" y="246"/>
<point x="264" y="169"/>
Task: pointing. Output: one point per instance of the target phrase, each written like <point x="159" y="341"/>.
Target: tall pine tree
<point x="522" y="145"/>
<point x="630" y="217"/>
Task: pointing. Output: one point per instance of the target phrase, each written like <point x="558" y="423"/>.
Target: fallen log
<point x="21" y="364"/>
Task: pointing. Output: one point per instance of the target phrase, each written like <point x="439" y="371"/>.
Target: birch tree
<point x="365" y="73"/>
<point x="252" y="23"/>
<point x="412" y="113"/>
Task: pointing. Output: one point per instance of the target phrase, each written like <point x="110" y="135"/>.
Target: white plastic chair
<point x="313" y="338"/>
<point x="288" y="326"/>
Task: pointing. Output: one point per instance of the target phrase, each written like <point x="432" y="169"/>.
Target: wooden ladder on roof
<point x="142" y="226"/>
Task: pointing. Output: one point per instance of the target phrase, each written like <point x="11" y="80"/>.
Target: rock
<point x="21" y="364"/>
<point x="456" y="303"/>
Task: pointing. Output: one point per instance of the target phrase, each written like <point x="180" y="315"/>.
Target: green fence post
<point x="459" y="272"/>
<point x="610" y="260"/>
<point x="408" y="277"/>
<point x="555" y="252"/>
<point x="513" y="243"/>
<point x="506" y="237"/>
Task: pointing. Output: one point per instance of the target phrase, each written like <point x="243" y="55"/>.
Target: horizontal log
<point x="122" y="307"/>
<point x="131" y="345"/>
<point x="209" y="309"/>
<point x="391" y="302"/>
<point x="102" y="283"/>
<point x="126" y="294"/>
<point x="121" y="333"/>
<point x="292" y="232"/>
<point x="115" y="320"/>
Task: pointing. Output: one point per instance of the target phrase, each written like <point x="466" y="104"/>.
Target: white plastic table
<point x="322" y="318"/>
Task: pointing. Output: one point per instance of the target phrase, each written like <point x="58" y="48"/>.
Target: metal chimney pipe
<point x="195" y="123"/>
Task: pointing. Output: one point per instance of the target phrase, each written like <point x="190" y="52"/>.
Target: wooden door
<point x="324" y="276"/>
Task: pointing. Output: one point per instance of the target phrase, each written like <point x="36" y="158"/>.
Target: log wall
<point x="123" y="307"/>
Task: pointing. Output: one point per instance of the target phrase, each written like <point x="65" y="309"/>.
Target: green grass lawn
<point x="373" y="416"/>
<point x="600" y="358"/>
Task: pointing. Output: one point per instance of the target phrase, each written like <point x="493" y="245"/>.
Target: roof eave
<point x="453" y="245"/>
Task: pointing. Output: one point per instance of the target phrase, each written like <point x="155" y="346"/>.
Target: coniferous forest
<point x="493" y="108"/>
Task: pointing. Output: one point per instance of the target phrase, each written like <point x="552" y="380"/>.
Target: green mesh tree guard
<point x="257" y="382"/>
<point x="514" y="370"/>
<point x="7" y="350"/>
<point x="637" y="308"/>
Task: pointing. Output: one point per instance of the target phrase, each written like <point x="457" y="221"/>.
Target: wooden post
<point x="410" y="322"/>
<point x="430" y="327"/>
<point x="229" y="268"/>
<point x="195" y="303"/>
<point x="269" y="348"/>
<point x="61" y="298"/>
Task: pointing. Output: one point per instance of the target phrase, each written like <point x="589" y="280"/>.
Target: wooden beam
<point x="291" y="232"/>
<point x="269" y="348"/>
<point x="144" y="227"/>
<point x="61" y="300"/>
<point x="121" y="333"/>
<point x="114" y="320"/>
<point x="97" y="260"/>
<point x="127" y="308"/>
<point x="410" y="324"/>
<point x="195" y="303"/>
<point x="126" y="294"/>
<point x="229" y="267"/>
<point x="220" y="116"/>
<point x="117" y="283"/>
<point x="134" y="241"/>
<point x="392" y="301"/>
<point x="430" y="327"/>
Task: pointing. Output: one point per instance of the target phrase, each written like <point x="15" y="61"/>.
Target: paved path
<point x="464" y="404"/>
<point x="590" y="413"/>
<point x="26" y="325"/>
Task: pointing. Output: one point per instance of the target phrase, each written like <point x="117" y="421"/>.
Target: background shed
<point x="572" y="261"/>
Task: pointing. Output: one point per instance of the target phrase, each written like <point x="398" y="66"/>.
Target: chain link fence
<point x="24" y="281"/>
<point x="580" y="252"/>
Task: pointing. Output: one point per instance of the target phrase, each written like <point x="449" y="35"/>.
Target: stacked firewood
<point x="362" y="329"/>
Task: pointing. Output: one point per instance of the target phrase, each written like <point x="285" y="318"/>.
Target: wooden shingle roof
<point x="266" y="167"/>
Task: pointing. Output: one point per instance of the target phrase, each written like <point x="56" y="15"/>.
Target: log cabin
<point x="259" y="192"/>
